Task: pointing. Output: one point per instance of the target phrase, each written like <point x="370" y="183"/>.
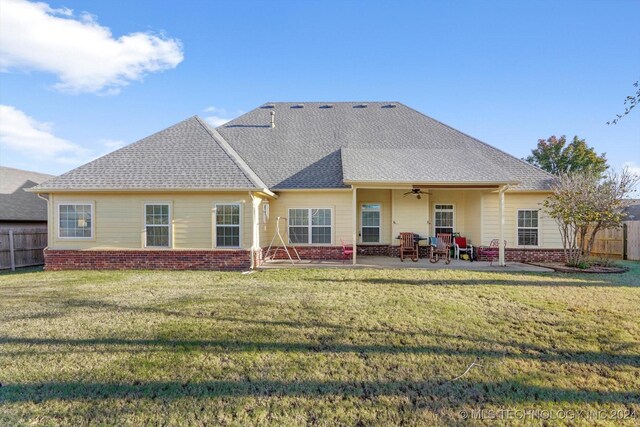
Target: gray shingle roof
<point x="188" y="155"/>
<point x="313" y="145"/>
<point x="317" y="145"/>
<point x="15" y="203"/>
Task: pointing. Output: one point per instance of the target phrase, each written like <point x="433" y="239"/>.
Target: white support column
<point x="501" y="222"/>
<point x="354" y="224"/>
<point x="255" y="235"/>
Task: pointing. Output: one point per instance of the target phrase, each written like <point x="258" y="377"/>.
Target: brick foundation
<point x="146" y="259"/>
<point x="335" y="253"/>
<point x="310" y="252"/>
<point x="530" y="255"/>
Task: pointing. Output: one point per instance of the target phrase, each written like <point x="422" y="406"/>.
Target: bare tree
<point x="583" y="204"/>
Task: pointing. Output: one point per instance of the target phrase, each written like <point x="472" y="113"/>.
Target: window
<point x="443" y="219"/>
<point x="310" y="226"/>
<point x="157" y="221"/>
<point x="228" y="225"/>
<point x="370" y="223"/>
<point x="528" y="227"/>
<point x="75" y="220"/>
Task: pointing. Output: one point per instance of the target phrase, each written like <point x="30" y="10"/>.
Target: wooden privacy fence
<point x="22" y="247"/>
<point x="622" y="243"/>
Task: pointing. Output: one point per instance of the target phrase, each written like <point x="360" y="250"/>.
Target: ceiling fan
<point x="416" y="192"/>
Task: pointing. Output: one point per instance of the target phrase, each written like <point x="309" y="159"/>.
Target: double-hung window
<point x="157" y="223"/>
<point x="370" y="223"/>
<point x="443" y="219"/>
<point x="75" y="220"/>
<point x="227" y="225"/>
<point x="528" y="227"/>
<point x="310" y="226"/>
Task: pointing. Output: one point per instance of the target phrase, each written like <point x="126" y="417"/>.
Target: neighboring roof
<point x="188" y="155"/>
<point x="15" y="203"/>
<point x="632" y="211"/>
<point x="321" y="145"/>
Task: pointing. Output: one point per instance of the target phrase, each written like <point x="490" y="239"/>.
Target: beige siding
<point x="409" y="214"/>
<point x="548" y="237"/>
<point x="384" y="198"/>
<point x="119" y="219"/>
<point x="339" y="201"/>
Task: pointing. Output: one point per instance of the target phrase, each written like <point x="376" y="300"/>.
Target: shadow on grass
<point x="323" y="345"/>
<point x="535" y="281"/>
<point x="435" y="393"/>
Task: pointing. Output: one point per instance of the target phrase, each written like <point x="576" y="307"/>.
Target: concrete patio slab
<point x="380" y="262"/>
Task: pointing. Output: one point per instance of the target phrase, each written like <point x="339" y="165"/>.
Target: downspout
<point x="501" y="247"/>
<point x="49" y="216"/>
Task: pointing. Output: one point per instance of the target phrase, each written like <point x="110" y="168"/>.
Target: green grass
<point x="315" y="347"/>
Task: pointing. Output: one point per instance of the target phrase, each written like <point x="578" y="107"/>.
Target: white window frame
<point x="379" y="227"/>
<point x="77" y="203"/>
<point x="215" y="224"/>
<point x="453" y="210"/>
<point x="169" y="225"/>
<point x="310" y="227"/>
<point x="518" y="228"/>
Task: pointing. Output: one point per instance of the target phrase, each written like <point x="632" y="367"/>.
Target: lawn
<point x="318" y="347"/>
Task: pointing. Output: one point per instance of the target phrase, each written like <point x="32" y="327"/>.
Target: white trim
<point x="379" y="210"/>
<point x="538" y="228"/>
<point x="215" y="224"/>
<point x="454" y="210"/>
<point x="76" y="203"/>
<point x="169" y="225"/>
<point x="310" y="227"/>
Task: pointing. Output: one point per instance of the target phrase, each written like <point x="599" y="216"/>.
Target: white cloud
<point x="220" y="116"/>
<point x="112" y="144"/>
<point x="24" y="135"/>
<point x="83" y="54"/>
<point x="633" y="167"/>
<point x="216" y="121"/>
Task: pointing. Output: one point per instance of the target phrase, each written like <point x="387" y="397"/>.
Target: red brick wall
<point x="56" y="259"/>
<point x="530" y="255"/>
<point x="310" y="252"/>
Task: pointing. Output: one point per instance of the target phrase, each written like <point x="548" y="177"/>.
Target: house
<point x="19" y="209"/>
<point x="194" y="197"/>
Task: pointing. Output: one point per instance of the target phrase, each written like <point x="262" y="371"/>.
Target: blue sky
<point x="88" y="77"/>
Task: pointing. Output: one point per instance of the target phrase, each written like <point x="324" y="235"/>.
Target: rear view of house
<point x="192" y="196"/>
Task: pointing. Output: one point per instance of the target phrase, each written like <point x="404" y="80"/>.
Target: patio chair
<point x="441" y="249"/>
<point x="492" y="251"/>
<point x="461" y="245"/>
<point x="408" y="246"/>
<point x="347" y="251"/>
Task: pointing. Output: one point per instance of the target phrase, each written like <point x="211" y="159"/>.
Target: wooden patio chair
<point x="409" y="246"/>
<point x="441" y="249"/>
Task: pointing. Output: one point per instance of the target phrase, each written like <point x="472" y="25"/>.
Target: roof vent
<point x="360" y="106"/>
<point x="266" y="106"/>
<point x="297" y="106"/>
<point x="326" y="106"/>
<point x="389" y="106"/>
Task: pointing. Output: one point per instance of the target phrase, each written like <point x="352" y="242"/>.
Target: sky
<point x="79" y="79"/>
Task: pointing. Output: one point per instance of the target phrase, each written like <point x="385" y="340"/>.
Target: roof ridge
<point x="233" y="155"/>
<point x="482" y="142"/>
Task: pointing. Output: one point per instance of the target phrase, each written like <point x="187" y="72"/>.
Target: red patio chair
<point x="347" y="251"/>
<point x="492" y="251"/>
<point x="461" y="245"/>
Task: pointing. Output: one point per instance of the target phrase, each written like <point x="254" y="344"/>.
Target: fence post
<point x="624" y="241"/>
<point x="12" y="252"/>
